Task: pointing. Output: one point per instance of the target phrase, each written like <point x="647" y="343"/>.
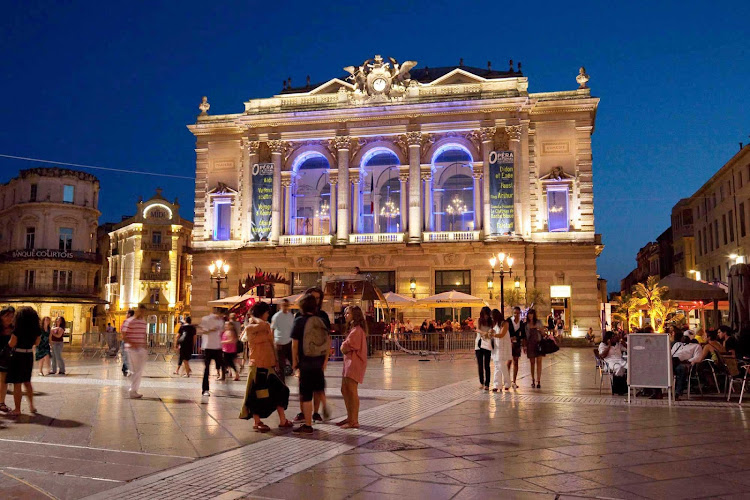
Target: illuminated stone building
<point x="148" y="262"/>
<point x="48" y="220"/>
<point x="409" y="174"/>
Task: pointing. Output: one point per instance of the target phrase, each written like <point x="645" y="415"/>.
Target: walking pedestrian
<point x="211" y="327"/>
<point x="125" y="367"/>
<point x="281" y="324"/>
<point x="534" y="335"/>
<point x="501" y="352"/>
<point x="517" y="334"/>
<point x="265" y="391"/>
<point x="354" y="349"/>
<point x="311" y="343"/>
<point x="317" y="293"/>
<point x="185" y="343"/>
<point x="229" y="339"/>
<point x="134" y="334"/>
<point x="43" y="349"/>
<point x="56" y="337"/>
<point x="239" y="345"/>
<point x="7" y="316"/>
<point x="25" y="336"/>
<point x="483" y="347"/>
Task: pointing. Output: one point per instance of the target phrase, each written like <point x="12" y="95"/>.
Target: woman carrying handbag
<point x="534" y="336"/>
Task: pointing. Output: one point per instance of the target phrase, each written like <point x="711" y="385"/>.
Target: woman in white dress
<point x="502" y="352"/>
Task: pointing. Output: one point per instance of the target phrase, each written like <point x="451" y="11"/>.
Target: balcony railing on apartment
<point x="48" y="290"/>
<point x="156" y="247"/>
<point x="302" y="240"/>
<point x="451" y="236"/>
<point x="376" y="238"/>
<point x="152" y="276"/>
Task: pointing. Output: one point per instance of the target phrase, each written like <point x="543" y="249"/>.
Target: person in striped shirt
<point x="134" y="334"/>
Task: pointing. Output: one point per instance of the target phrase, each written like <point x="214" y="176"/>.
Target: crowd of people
<point x="22" y="334"/>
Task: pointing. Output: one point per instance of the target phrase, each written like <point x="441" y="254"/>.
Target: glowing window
<point x="557" y="209"/>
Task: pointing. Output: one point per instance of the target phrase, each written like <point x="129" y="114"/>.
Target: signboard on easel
<point x="649" y="362"/>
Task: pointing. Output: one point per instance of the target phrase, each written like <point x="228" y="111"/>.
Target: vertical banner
<point x="262" y="192"/>
<point x="502" y="210"/>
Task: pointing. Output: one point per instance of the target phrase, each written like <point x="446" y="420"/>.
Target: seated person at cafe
<point x="408" y="327"/>
<point x="431" y="327"/>
<point x="423" y="326"/>
<point x="727" y="339"/>
<point x="610" y="350"/>
<point x="684" y="354"/>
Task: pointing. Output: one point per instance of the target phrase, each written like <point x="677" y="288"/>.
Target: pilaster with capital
<point x="413" y="140"/>
<point x="277" y="148"/>
<point x="403" y="178"/>
<point x="486" y="135"/>
<point x="426" y="177"/>
<point x="286" y="185"/>
<point x="333" y="180"/>
<point x="514" y="136"/>
<point x="477" y="177"/>
<point x="356" y="212"/>
<point x="249" y="158"/>
<point x="341" y="145"/>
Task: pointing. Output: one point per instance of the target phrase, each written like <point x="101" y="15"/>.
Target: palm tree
<point x="627" y="311"/>
<point x="651" y="297"/>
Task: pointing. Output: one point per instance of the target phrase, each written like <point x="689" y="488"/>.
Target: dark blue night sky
<point x="114" y="83"/>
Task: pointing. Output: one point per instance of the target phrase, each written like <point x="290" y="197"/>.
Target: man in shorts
<point x="318" y="294"/>
<point x="310" y="351"/>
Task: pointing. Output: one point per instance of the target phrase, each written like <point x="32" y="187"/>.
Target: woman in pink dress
<point x="354" y="349"/>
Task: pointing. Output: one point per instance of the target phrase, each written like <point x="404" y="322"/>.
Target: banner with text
<point x="502" y="211"/>
<point x="260" y="225"/>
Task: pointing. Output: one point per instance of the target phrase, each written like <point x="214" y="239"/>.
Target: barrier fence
<point x="437" y="345"/>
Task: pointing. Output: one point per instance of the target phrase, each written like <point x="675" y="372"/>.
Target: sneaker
<point x="317" y="417"/>
<point x="135" y="395"/>
<point x="300" y="417"/>
<point x="303" y="429"/>
<point x="206" y="393"/>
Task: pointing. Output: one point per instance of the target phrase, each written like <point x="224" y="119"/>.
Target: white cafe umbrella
<point x="452" y="299"/>
<point x="397" y="301"/>
<point x="228" y="301"/>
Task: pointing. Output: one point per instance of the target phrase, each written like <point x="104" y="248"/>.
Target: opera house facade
<point x="415" y="176"/>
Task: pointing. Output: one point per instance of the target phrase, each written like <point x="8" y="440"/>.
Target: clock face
<point x="379" y="85"/>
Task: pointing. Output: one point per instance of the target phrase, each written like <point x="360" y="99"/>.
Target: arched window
<point x="453" y="189"/>
<point x="311" y="195"/>
<point x="381" y="192"/>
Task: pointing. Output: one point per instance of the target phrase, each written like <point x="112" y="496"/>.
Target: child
<point x="229" y="348"/>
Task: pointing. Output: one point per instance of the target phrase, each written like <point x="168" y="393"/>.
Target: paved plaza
<point x="427" y="432"/>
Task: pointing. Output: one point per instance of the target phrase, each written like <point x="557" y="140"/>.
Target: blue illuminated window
<point x="68" y="193"/>
<point x="557" y="209"/>
<point x="223" y="225"/>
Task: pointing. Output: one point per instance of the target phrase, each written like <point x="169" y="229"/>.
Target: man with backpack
<point x="311" y="346"/>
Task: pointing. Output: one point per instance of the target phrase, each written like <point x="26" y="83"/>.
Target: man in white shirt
<point x="281" y="324"/>
<point x="211" y="327"/>
<point x="689" y="352"/>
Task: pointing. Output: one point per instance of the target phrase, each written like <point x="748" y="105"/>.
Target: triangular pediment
<point x="331" y="87"/>
<point x="457" y="77"/>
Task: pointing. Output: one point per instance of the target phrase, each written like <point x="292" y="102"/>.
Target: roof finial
<point x="204" y="106"/>
<point x="284" y="85"/>
<point x="489" y="65"/>
<point x="308" y="80"/>
<point x="582" y="78"/>
<point x="289" y="82"/>
<point x="519" y="66"/>
<point x="158" y="191"/>
<point x="511" y="65"/>
<point x="461" y="61"/>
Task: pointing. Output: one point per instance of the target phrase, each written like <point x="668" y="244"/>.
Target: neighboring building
<point x="721" y="219"/>
<point x="149" y="262"/>
<point x="404" y="176"/>
<point x="48" y="243"/>
<point x="654" y="259"/>
<point x="683" y="238"/>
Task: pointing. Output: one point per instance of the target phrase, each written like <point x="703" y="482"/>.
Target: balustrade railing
<point x="294" y="240"/>
<point x="451" y="236"/>
<point x="376" y="238"/>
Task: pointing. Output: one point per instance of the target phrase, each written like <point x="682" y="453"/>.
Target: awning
<point x="398" y="301"/>
<point x="451" y="299"/>
<point x="681" y="288"/>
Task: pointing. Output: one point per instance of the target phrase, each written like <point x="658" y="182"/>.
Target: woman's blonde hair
<point x="358" y="318"/>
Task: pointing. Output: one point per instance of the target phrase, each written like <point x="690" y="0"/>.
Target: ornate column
<point x="333" y="180"/>
<point x="427" y="200"/>
<point x="286" y="183"/>
<point x="402" y="199"/>
<point x="438" y="208"/>
<point x="414" y="142"/>
<point x="487" y="135"/>
<point x="477" y="176"/>
<point x="341" y="145"/>
<point x="356" y="202"/>
<point x="277" y="153"/>
<point x="514" y="136"/>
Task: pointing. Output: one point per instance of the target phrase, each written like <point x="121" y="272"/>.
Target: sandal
<point x="14" y="413"/>
<point x="286" y="425"/>
<point x="261" y="427"/>
<point x="4" y="408"/>
<point x="342" y="423"/>
<point x="350" y="426"/>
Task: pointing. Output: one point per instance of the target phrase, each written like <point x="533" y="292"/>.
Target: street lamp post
<point x="218" y="270"/>
<point x="502" y="259"/>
